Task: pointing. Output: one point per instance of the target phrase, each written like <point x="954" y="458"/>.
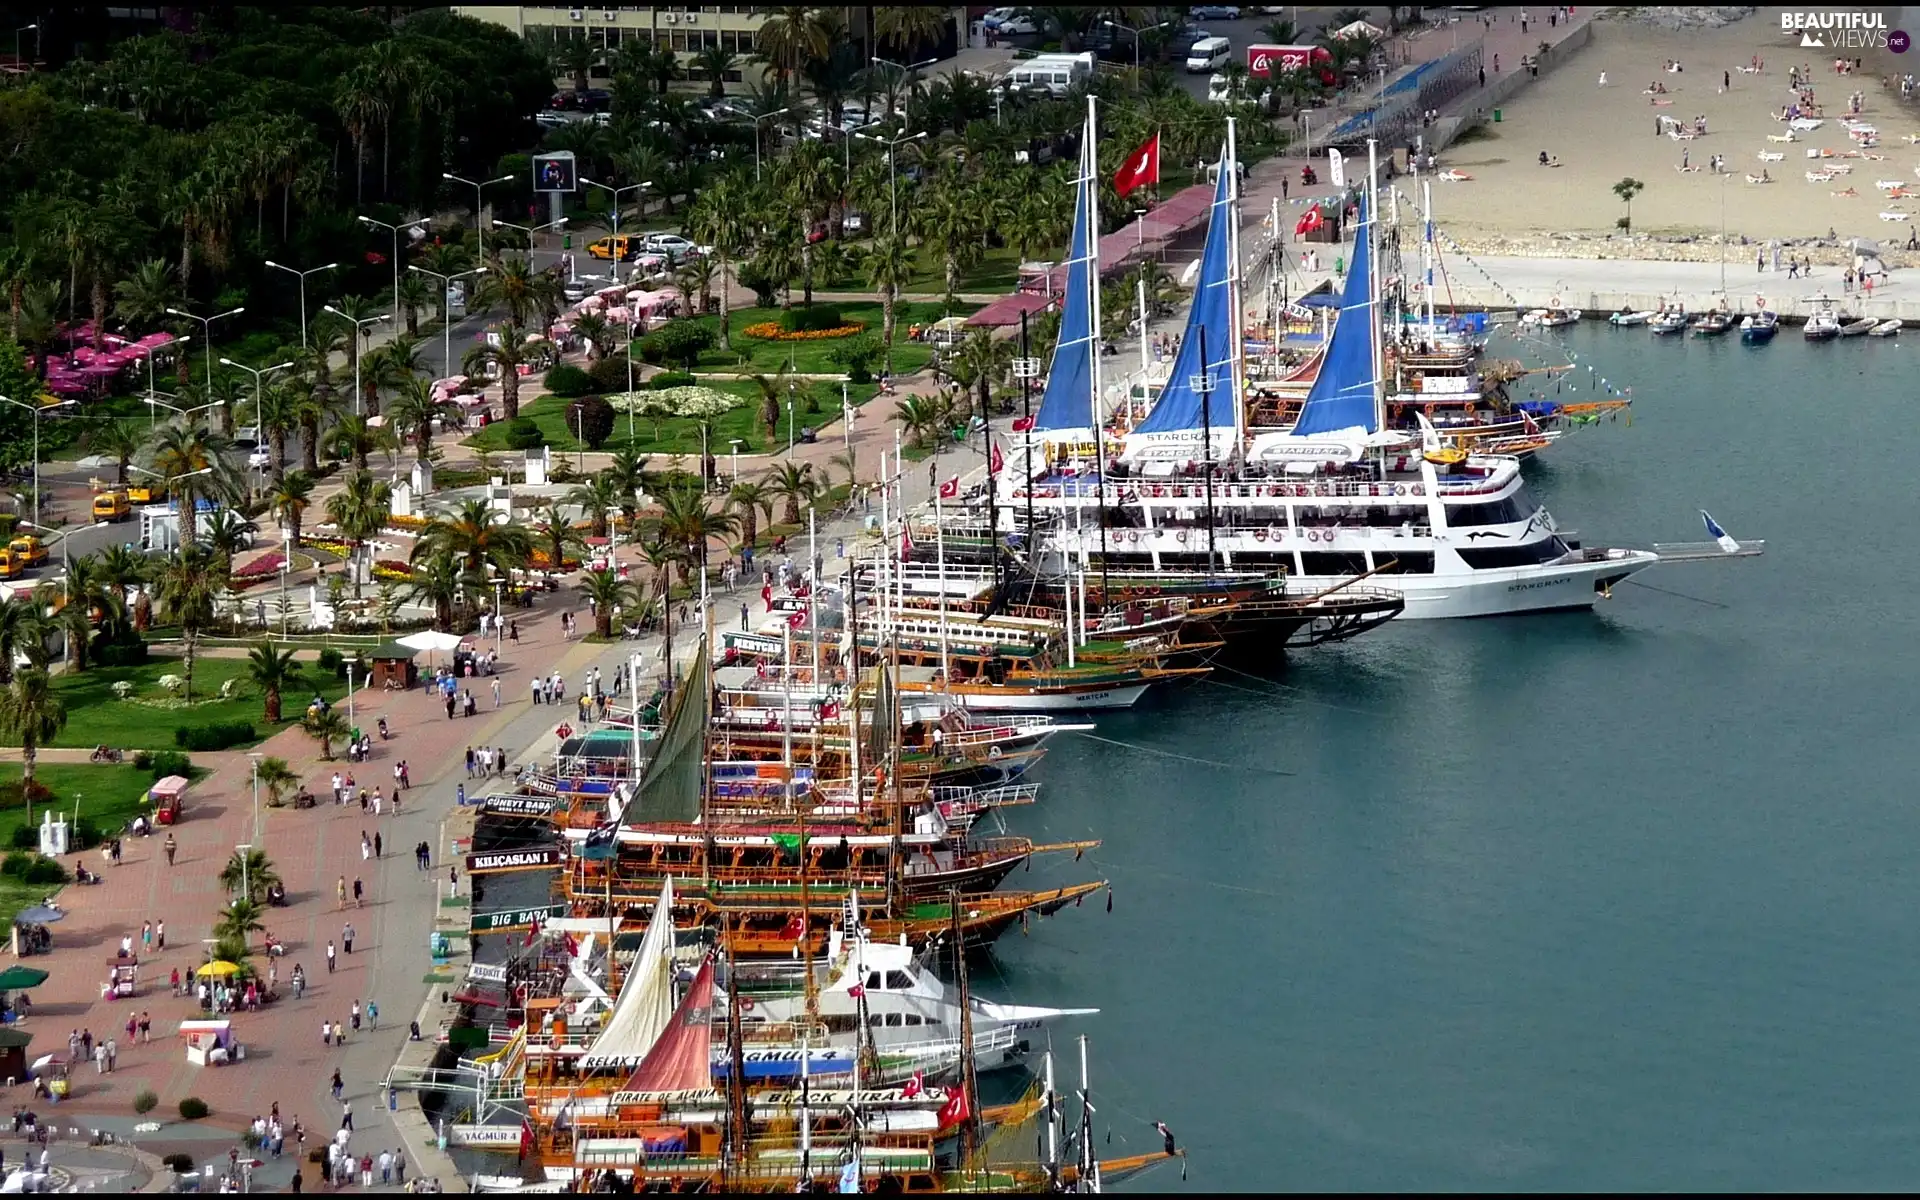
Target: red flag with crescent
<point x="1140" y="168"/>
<point x="996" y="460"/>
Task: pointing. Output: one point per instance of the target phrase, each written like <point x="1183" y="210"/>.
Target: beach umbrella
<point x="17" y="977"/>
<point x="218" y="967"/>
<point x="39" y="914"/>
<point x="431" y="640"/>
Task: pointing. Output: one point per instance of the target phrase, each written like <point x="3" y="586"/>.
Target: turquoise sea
<point x="1621" y="899"/>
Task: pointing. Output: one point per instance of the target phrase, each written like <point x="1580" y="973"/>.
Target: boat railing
<point x="969" y="799"/>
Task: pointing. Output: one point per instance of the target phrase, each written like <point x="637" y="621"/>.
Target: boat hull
<point x="1501" y="593"/>
<point x="989" y="699"/>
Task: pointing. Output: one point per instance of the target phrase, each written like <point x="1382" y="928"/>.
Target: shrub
<point x="13" y="794"/>
<point x="672" y="379"/>
<point x="609" y="374"/>
<point x="86" y="834"/>
<point x="27" y="837"/>
<point x="46" y="871"/>
<point x="180" y="1164"/>
<point x="120" y="654"/>
<point x="806" y="320"/>
<point x="569" y="380"/>
<point x="142" y="759"/>
<point x="332" y="662"/>
<point x="856" y="355"/>
<point x="524" y="434"/>
<point x="15" y="864"/>
<point x="145" y="1102"/>
<point x="168" y="762"/>
<point x="591" y="417"/>
<point x="678" y="341"/>
<point x="219" y="735"/>
<point x="193" y="1108"/>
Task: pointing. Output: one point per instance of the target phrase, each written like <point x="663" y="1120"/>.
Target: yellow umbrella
<point x="220" y="967"/>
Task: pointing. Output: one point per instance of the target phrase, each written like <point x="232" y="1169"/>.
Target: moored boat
<point x="1711" y="324"/>
<point x="1858" y="328"/>
<point x="1626" y="318"/>
<point x="1757" y="329"/>
<point x="1822" y="324"/>
<point x="1886" y="328"/>
<point x="1672" y="320"/>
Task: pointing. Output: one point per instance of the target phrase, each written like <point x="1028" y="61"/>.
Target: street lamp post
<point x="254" y="762"/>
<point x="349" y="695"/>
<point x="1136" y="35"/>
<point x="616" y="192"/>
<point x="395" y="260"/>
<point x="530" y="230"/>
<point x="36" y="410"/>
<point x="357" y="355"/>
<point x="35" y="27"/>
<point x="476" y="185"/>
<point x="907" y="72"/>
<point x="246" y="888"/>
<point x="446" y="284"/>
<point x="206" y="328"/>
<point x="154" y="402"/>
<point x="259" y="374"/>
<point x="302" y="277"/>
<point x="148" y="352"/>
<point x="893" y="179"/>
<point x="66" y="574"/>
<point x="778" y="112"/>
<point x="734" y="454"/>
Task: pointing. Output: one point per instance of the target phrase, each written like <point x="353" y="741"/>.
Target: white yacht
<point x="1337" y="496"/>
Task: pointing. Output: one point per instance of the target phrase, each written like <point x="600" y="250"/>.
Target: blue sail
<point x="1342" y="395"/>
<point x="1068" y="401"/>
<point x="1178" y="409"/>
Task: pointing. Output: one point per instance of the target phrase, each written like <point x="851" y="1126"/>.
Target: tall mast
<point x="1089" y="1172"/>
<point x="1373" y="283"/>
<point x="1426" y="252"/>
<point x="736" y="1074"/>
<point x="1092" y="158"/>
<point x="1053" y="1116"/>
<point x="940" y="556"/>
<point x="1237" y="345"/>
<point x="1204" y="385"/>
<point x="1026" y="418"/>
<point x="969" y="1078"/>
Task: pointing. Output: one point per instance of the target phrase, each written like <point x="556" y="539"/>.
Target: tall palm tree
<point x="789" y="37"/>
<point x="661" y="555"/>
<point x="597" y="332"/>
<point x="436" y="582"/>
<point x="274" y="671"/>
<point x="986" y="361"/>
<point x="278" y="414"/>
<point x="355" y="309"/>
<point x="627" y="474"/>
<point x="476" y="539"/>
<point x="749" y="500"/>
<point x="920" y="416"/>
<point x="685" y="520"/>
<point x="32" y="714"/>
<point x="326" y="728"/>
<point x="812" y="184"/>
<point x="355" y="436"/>
<point x="951" y="227"/>
<point x="794" y="483"/>
<point x="387" y="368"/>
<point x="121" y="567"/>
<point x="250" y="870"/>
<point x="197" y="465"/>
<point x="289" y="500"/>
<point x="595" y="498"/>
<point x="509" y="283"/>
<point x="889" y="268"/>
<point x="607" y="591"/>
<point x="697" y="277"/>
<point x="314" y="405"/>
<point x="414" y="411"/>
<point x="415" y="294"/>
<point x="361" y="509"/>
<point x="715" y="62"/>
<point x="226" y="533"/>
<point x="718" y="218"/>
<point x="906" y="26"/>
<point x="773" y="391"/>
<point x="504" y="354"/>
<point x="143" y="298"/>
<point x="185" y="587"/>
<point x="119" y="440"/>
<point x="277" y="780"/>
<point x="553" y="536"/>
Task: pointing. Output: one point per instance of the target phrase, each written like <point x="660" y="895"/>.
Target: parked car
<point x="260" y="460"/>
<point x="1009" y="21"/>
<point x="675" y="247"/>
<point x="581" y="286"/>
<point x="1214" y="12"/>
<point x="853" y="224"/>
<point x="618" y="246"/>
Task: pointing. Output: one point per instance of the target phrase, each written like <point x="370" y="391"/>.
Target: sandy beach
<point x="1601" y="135"/>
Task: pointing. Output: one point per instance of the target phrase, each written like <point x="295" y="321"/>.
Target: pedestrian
<point x="453" y="881"/>
<point x="378" y="801"/>
<point x="346" y="936"/>
<point x="513" y="632"/>
<point x="353" y="1016"/>
<point x="459" y="795"/>
<point x="160" y="934"/>
<point x="406" y="782"/>
<point x="340" y="890"/>
<point x="470" y="762"/>
<point x="146" y="1028"/>
<point x="366" y="846"/>
<point x="326" y="1039"/>
<point x="330" y="961"/>
<point x="373" y="1015"/>
<point x="500" y="758"/>
<point x="146" y="937"/>
<point x="357" y="897"/>
<point x="450" y="703"/>
<point x="1760" y="261"/>
<point x="399" y="1168"/>
<point x="496" y="692"/>
<point x="467" y="703"/>
<point x="366" y="1170"/>
<point x="536" y="686"/>
<point x="339" y="1086"/>
<point x="346" y="1115"/>
<point x="386" y="1167"/>
<point x="743" y="625"/>
<point x="337" y="795"/>
<point x="376" y="844"/>
<point x="170" y="847"/>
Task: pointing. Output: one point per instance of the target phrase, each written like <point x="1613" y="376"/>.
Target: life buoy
<point x="746" y="1004"/>
<point x="993" y="752"/>
<point x="1419" y="489"/>
<point x="1158" y="490"/>
<point x="1399" y="489"/>
<point x="1153" y="591"/>
<point x="1259" y="535"/>
<point x="1181" y="537"/>
<point x="1760" y="302"/>
<point x="1313" y="535"/>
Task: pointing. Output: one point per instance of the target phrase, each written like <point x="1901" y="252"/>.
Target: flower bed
<point x="392" y="568"/>
<point x="268" y="564"/>
<point x="541" y="560"/>
<point x="335" y="548"/>
<point x="770" y="331"/>
<point x="410" y="524"/>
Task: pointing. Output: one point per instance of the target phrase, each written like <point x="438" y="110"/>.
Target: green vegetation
<point x="107" y="797"/>
<point x="682" y="435"/>
<point x="148" y="718"/>
<point x="754" y="356"/>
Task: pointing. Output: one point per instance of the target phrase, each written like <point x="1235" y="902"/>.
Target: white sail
<point x="646" y="997"/>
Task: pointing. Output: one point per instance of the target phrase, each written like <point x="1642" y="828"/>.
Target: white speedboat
<point x="1551" y="318"/>
<point x="1822" y="325"/>
<point x="1626" y="319"/>
<point x="1671" y="320"/>
<point x="1886" y="328"/>
<point x="1758" y="328"/>
<point x="1858" y="327"/>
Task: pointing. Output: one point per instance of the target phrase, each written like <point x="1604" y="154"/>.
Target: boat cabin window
<point x="841" y="1023"/>
<point x="873" y="1020"/>
<point x="1493" y="512"/>
<point x="1404" y="562"/>
<point x="873" y="982"/>
<point x="899" y="981"/>
<point x="1492" y="558"/>
<point x="1332" y="564"/>
<point x="894" y="1021"/>
<point x="916" y="1019"/>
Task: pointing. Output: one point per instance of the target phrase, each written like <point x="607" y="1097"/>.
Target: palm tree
<point x="414" y="412"/>
<point x="951" y="226"/>
<point x="196" y="465"/>
<point x="566" y="55"/>
<point x="510" y="283"/>
<point x="750" y="499"/>
<point x="504" y="354"/>
<point x="889" y="268"/>
<point x="596" y="498"/>
<point x="120" y="568"/>
<point x="553" y="536"/>
<point x="476" y="540"/>
<point x="627" y="473"/>
<point x="715" y="62"/>
<point x="812" y="184"/>
<point x="250" y="873"/>
<point x="773" y="389"/>
<point x="661" y="555"/>
<point x="415" y="294"/>
<point x="718" y="219"/>
<point x="607" y="591"/>
<point x="83" y="597"/>
<point x="685" y="520"/>
<point x="276" y="779"/>
<point x="794" y="483"/>
<point x="849" y="460"/>
<point x="986" y="361"/>
<point x="143" y="298"/>
<point x="32" y="714"/>
<point x="326" y="728"/>
<point x="289" y="501"/>
<point x="239" y="920"/>
<point x="185" y="587"/>
<point x="274" y="670"/>
<point x="436" y="581"/>
<point x="119" y="440"/>
<point x="905" y="26"/>
<point x="598" y="333"/>
<point x="697" y="277"/>
<point x="226" y="534"/>
<point x="356" y="436"/>
<point x="361" y="509"/>
<point x="919" y="416"/>
<point x="789" y="37"/>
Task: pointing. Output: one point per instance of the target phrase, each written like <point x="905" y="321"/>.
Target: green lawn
<point x="682" y="436"/>
<point x="762" y="356"/>
<point x="147" y="720"/>
<point x="107" y="796"/>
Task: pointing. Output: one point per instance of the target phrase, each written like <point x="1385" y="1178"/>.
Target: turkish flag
<point x="795" y="928"/>
<point x="1023" y="424"/>
<point x="949" y="489"/>
<point x="912" y="1087"/>
<point x="1141" y="167"/>
<point x="1309" y="221"/>
<point x="955" y="1110"/>
<point x="995" y="460"/>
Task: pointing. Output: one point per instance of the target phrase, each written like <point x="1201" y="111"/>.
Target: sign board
<point x="507" y="1136"/>
<point x="1336" y="168"/>
<point x="1445" y="385"/>
<point x="1266" y="61"/>
<point x="515" y="860"/>
<point x="1300" y="312"/>
<point x="518" y="806"/>
<point x="514" y="918"/>
<point x="556" y="172"/>
<point x="486" y="973"/>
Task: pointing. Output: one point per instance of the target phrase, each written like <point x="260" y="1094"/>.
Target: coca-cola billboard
<point x="1265" y="61"/>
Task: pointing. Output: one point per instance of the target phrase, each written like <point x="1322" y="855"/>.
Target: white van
<point x="1057" y="73"/>
<point x="1209" y="54"/>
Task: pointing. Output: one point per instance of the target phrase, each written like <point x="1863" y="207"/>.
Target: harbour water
<point x="1607" y="900"/>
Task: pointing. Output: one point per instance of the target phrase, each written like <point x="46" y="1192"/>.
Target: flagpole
<point x="1093" y="400"/>
<point x="940" y="555"/>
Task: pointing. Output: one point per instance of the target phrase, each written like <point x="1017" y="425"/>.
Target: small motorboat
<point x="1625" y="318"/>
<point x="1672" y="320"/>
<point x="1711" y="324"/>
<point x="1822" y="325"/>
<point x="1886" y="328"/>
<point x="1757" y="329"/>
<point x="1858" y="328"/>
<point x="1551" y="318"/>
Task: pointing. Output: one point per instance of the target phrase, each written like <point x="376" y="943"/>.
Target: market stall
<point x="210" y="1043"/>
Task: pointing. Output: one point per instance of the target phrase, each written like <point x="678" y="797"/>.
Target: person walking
<point x="357" y="897"/>
<point x="340" y="890"/>
<point x="346" y="936"/>
<point x="346" y="1115"/>
<point x="376" y="840"/>
<point x="330" y="958"/>
<point x="339" y="1087"/>
<point x="171" y="847"/>
<point x="353" y="1016"/>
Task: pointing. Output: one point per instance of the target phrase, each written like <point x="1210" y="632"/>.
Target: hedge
<point x="568" y="380"/>
<point x="219" y="735"/>
<point x="806" y="320"/>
